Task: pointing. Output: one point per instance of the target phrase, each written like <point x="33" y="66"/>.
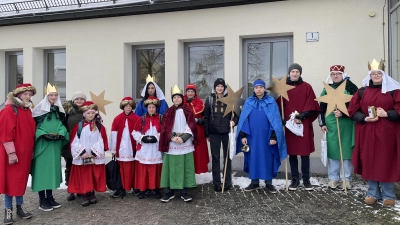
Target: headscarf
<point x="159" y="92"/>
<point x="44" y="107"/>
<point x="388" y="83"/>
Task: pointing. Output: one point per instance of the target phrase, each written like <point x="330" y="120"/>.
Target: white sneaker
<point x="333" y="184"/>
<point x="348" y="185"/>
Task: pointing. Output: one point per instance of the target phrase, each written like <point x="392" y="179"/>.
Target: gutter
<point x="123" y="10"/>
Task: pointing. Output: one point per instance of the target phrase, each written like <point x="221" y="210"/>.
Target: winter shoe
<point x="157" y="193"/>
<point x="53" y="203"/>
<point x="71" y="197"/>
<point x="22" y="213"/>
<point x="388" y="202"/>
<point x="92" y="198"/>
<point x="307" y="185"/>
<point x="136" y="192"/>
<point x="294" y="184"/>
<point x="217" y="188"/>
<point x="186" y="197"/>
<point x="119" y="193"/>
<point x="370" y="200"/>
<point x="142" y="195"/>
<point x="168" y="196"/>
<point x="8" y="216"/>
<point x="45" y="206"/>
<point x="348" y="185"/>
<point x="227" y="187"/>
<point x="333" y="184"/>
<point x="85" y="200"/>
<point x="252" y="187"/>
<point x="270" y="188"/>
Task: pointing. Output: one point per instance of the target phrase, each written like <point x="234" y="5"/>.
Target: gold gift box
<point x="372" y="111"/>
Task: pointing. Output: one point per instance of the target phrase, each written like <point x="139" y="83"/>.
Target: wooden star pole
<point x="234" y="101"/>
<point x="100" y="101"/>
<point x="336" y="100"/>
<point x="281" y="88"/>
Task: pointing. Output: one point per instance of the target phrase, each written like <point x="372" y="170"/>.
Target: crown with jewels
<point x="374" y="65"/>
<point x="175" y="90"/>
<point x="50" y="88"/>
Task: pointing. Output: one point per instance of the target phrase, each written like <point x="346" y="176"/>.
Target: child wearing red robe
<point x="88" y="143"/>
<point x="123" y="146"/>
<point x="148" y="157"/>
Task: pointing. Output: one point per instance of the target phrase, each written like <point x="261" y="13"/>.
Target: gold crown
<point x="375" y="65"/>
<point x="50" y="88"/>
<point x="149" y="78"/>
<point x="176" y="90"/>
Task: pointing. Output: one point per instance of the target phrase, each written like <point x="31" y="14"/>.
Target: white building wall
<point x="99" y="53"/>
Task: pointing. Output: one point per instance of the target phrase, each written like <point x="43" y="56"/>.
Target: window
<point x="204" y="64"/>
<point x="264" y="58"/>
<point x="394" y="40"/>
<point x="148" y="60"/>
<point x="14" y="70"/>
<point x="55" y="67"/>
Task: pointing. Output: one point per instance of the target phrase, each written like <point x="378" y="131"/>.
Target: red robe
<point x="147" y="176"/>
<point x="86" y="178"/>
<point x="19" y="129"/>
<point x="301" y="99"/>
<point x="200" y="154"/>
<point x="376" y="154"/>
<point x="126" y="168"/>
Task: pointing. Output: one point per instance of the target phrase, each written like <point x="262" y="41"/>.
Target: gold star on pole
<point x="233" y="101"/>
<point x="335" y="98"/>
<point x="100" y="101"/>
<point x="280" y="87"/>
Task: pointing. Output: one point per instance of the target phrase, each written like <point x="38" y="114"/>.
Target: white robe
<point x="125" y="148"/>
<point x="91" y="141"/>
<point x="148" y="153"/>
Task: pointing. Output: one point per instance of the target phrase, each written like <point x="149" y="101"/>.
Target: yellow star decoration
<point x="335" y="98"/>
<point x="100" y="101"/>
<point x="280" y="87"/>
<point x="233" y="99"/>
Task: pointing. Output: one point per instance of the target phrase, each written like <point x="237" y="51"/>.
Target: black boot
<point x="120" y="193"/>
<point x="22" y="213"/>
<point x="157" y="193"/>
<point x="92" y="198"/>
<point x="71" y="197"/>
<point x="85" y="200"/>
<point x="8" y="216"/>
<point x="52" y="202"/>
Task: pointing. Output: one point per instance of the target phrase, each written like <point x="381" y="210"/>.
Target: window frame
<point x="46" y="52"/>
<point x="135" y="67"/>
<point x="187" y="45"/>
<point x="391" y="10"/>
<point x="247" y="41"/>
<point x="7" y="75"/>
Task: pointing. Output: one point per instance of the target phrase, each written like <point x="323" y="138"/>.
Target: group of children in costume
<point x="159" y="147"/>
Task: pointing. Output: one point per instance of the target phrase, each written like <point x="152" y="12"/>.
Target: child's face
<point x="90" y="116"/>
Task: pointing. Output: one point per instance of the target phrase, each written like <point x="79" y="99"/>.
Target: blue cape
<point x="270" y="108"/>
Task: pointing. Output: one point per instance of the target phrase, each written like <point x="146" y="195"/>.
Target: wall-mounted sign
<point x="312" y="36"/>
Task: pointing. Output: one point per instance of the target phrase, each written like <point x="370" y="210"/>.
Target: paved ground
<point x="321" y="206"/>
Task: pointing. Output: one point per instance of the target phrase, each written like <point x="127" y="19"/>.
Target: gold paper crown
<point x="50" y="88"/>
<point x="376" y="66"/>
<point x="176" y="90"/>
<point x="149" y="78"/>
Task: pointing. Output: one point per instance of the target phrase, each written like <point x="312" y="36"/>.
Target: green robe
<point x="46" y="163"/>
<point x="346" y="134"/>
<point x="178" y="171"/>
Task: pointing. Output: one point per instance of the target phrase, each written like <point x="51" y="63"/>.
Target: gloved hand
<point x="10" y="149"/>
<point x="149" y="139"/>
<point x="200" y="121"/>
<point x="48" y="137"/>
